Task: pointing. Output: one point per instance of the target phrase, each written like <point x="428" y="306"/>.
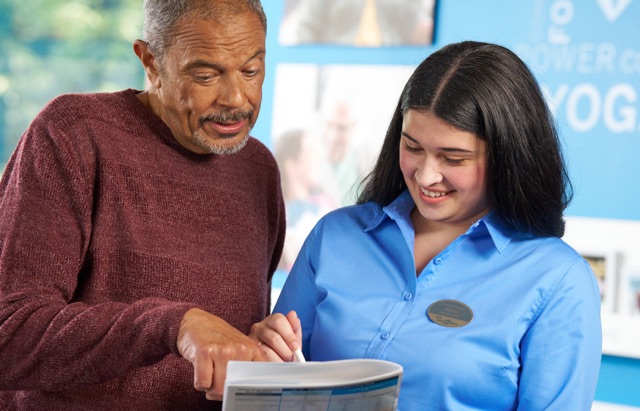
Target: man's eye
<point x="251" y="72"/>
<point x="203" y="77"/>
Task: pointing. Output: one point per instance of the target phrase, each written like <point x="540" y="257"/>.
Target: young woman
<point x="451" y="264"/>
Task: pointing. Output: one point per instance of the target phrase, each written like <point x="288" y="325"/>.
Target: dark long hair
<point x="487" y="90"/>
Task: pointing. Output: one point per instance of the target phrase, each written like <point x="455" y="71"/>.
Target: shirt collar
<point x="500" y="234"/>
<point x="400" y="209"/>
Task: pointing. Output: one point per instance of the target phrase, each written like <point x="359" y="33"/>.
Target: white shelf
<point x="621" y="335"/>
<point x="605" y="406"/>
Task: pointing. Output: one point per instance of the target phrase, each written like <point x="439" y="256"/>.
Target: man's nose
<point x="232" y="92"/>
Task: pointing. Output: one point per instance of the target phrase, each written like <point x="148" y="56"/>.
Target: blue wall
<point x="586" y="54"/>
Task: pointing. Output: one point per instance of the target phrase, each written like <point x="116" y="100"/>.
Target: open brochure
<point x="342" y="385"/>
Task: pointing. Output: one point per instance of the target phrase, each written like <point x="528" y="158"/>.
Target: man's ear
<point x="148" y="60"/>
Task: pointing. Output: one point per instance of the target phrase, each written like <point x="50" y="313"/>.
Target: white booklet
<point x="344" y="385"/>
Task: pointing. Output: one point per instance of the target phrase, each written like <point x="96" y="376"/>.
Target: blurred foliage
<point x="51" y="47"/>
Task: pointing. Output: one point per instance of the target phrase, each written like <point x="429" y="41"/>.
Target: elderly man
<point x="140" y="229"/>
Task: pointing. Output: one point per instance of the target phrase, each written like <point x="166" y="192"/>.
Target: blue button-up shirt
<point x="534" y="340"/>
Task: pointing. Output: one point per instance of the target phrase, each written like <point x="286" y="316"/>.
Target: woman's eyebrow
<point x="447" y="149"/>
<point x="405" y="134"/>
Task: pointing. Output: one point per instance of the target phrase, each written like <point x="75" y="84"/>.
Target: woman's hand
<point x="278" y="336"/>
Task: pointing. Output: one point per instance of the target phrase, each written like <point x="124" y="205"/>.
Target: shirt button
<point x="384" y="336"/>
<point x="408" y="296"/>
<point x="437" y="261"/>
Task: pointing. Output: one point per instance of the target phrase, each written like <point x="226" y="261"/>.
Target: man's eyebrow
<point x="447" y="149"/>
<point x="203" y="64"/>
<point x="207" y="64"/>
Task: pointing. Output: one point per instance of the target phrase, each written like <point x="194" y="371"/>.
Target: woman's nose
<point x="428" y="175"/>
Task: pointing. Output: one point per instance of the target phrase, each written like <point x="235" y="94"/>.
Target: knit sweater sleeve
<point x="48" y="340"/>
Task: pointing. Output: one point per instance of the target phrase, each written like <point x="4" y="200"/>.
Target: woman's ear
<point x="149" y="62"/>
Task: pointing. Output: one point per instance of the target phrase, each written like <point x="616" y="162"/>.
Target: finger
<point x="274" y="321"/>
<point x="269" y="354"/>
<point x="276" y="330"/>
<point x="219" y="376"/>
<point x="287" y="326"/>
<point x="273" y="340"/>
<point x="296" y="325"/>
<point x="263" y="330"/>
<point x="211" y="395"/>
<point x="261" y="353"/>
<point x="202" y="374"/>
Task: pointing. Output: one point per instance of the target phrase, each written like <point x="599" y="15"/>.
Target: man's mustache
<point x="226" y="117"/>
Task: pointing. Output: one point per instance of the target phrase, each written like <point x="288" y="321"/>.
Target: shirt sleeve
<point x="300" y="293"/>
<point x="561" y="352"/>
<point x="48" y="339"/>
<point x="278" y="245"/>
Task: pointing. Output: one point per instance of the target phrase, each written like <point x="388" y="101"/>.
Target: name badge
<point x="450" y="313"/>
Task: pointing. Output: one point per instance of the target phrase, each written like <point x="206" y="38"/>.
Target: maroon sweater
<point x="109" y="232"/>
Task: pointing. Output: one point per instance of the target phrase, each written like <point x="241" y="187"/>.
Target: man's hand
<point x="209" y="343"/>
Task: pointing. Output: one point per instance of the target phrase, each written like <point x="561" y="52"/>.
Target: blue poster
<point x="586" y="54"/>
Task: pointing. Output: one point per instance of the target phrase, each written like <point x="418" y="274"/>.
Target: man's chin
<point x="223" y="145"/>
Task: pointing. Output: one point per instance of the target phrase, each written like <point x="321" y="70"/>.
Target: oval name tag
<point x="450" y="313"/>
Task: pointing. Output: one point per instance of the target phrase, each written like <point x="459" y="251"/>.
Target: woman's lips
<point x="433" y="197"/>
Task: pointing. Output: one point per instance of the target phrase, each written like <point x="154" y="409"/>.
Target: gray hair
<point x="162" y="16"/>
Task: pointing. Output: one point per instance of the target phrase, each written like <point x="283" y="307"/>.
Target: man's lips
<point x="228" y="128"/>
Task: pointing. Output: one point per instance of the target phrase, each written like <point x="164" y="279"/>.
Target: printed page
<point x="345" y="385"/>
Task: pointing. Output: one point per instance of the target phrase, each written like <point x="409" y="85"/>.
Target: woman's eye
<point x="411" y="149"/>
<point x="453" y="162"/>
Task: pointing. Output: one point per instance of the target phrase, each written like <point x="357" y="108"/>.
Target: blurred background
<point x="48" y="47"/>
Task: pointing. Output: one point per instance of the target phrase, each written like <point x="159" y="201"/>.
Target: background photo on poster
<point x="629" y="292"/>
<point x="359" y="23"/>
<point x="604" y="264"/>
<point x="327" y="129"/>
